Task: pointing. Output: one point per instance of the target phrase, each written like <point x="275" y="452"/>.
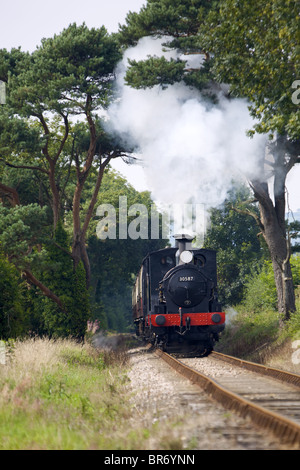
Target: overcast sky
<point x="25" y="22"/>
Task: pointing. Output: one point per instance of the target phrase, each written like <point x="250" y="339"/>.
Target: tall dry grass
<point x="57" y="394"/>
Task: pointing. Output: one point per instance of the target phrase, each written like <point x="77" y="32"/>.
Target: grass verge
<point x="64" y="396"/>
<point x="59" y="395"/>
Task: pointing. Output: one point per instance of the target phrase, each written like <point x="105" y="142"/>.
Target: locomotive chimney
<point x="183" y="243"/>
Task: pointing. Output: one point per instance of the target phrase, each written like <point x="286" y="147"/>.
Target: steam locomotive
<point x="174" y="299"/>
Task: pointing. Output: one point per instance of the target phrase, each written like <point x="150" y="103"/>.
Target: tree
<point x="178" y="22"/>
<point x="22" y="233"/>
<point x="69" y="285"/>
<point x="254" y="49"/>
<point x="238" y="247"/>
<point x="67" y="76"/>
<point x="115" y="262"/>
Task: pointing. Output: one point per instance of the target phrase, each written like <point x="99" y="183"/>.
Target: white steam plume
<point x="190" y="148"/>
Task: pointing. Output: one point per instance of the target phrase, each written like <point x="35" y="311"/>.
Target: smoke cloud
<point x="190" y="149"/>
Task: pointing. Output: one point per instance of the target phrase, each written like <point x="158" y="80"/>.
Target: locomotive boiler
<point x="174" y="299"/>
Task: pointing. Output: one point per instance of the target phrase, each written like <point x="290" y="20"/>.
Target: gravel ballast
<point x="180" y="413"/>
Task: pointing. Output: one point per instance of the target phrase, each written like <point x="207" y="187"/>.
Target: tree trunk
<point x="272" y="224"/>
<point x="55" y="193"/>
<point x="79" y="251"/>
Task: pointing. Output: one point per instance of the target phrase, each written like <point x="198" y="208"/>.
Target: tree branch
<point x="252" y="214"/>
<point x="11" y="193"/>
<point x="24" y="167"/>
<point x="95" y="194"/>
<point x="47" y="292"/>
<point x="64" y="250"/>
<point x="65" y="118"/>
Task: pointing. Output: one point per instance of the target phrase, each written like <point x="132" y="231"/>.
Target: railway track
<point x="268" y="396"/>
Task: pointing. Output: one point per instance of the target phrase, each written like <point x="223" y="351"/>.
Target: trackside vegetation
<point x="57" y="395"/>
<point x="254" y="328"/>
<point x="246" y="284"/>
<point x="61" y="395"/>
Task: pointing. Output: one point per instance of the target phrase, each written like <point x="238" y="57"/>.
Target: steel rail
<point x="286" y="430"/>
<point x="283" y="376"/>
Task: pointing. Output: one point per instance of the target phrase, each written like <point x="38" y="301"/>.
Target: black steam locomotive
<point x="174" y="299"/>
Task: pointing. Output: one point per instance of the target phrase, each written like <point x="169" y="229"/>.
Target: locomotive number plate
<point x="185" y="278"/>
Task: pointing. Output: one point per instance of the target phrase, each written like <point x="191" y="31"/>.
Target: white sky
<point x="25" y="22"/>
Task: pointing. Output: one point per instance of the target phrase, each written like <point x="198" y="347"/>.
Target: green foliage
<point x="59" y="262"/>
<point x="260" y="289"/>
<point x="154" y="71"/>
<point x="70" y="286"/>
<point x="248" y="331"/>
<point x="115" y="262"/>
<point x="13" y="320"/>
<point x="254" y="323"/>
<point x="21" y="229"/>
<point x="293" y="325"/>
<point x="234" y="236"/>
<point x="256" y="51"/>
<point x="17" y="134"/>
<point x="294" y="231"/>
<point x="295" y="265"/>
<point x="177" y="18"/>
<point x="178" y="21"/>
<point x="80" y="310"/>
<point x="63" y="71"/>
<point x="57" y="275"/>
<point x="69" y="74"/>
<point x="62" y="395"/>
<point x="252" y="47"/>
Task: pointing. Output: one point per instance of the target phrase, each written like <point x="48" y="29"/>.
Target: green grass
<point x="60" y="395"/>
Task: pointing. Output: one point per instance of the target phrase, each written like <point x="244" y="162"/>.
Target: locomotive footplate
<point x="191" y="334"/>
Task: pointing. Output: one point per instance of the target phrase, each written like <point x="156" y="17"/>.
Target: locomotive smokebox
<point x="184" y="244"/>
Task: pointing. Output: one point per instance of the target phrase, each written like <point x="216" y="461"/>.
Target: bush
<point x="255" y="324"/>
<point x="248" y="332"/>
<point x="260" y="289"/>
<point x="69" y="286"/>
